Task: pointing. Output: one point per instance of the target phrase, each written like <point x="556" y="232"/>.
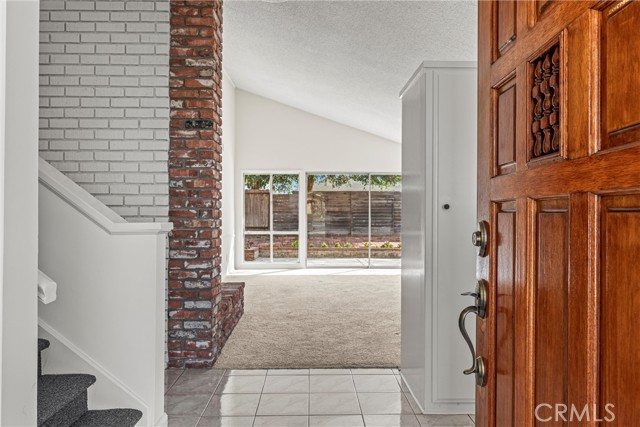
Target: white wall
<point x="228" y="172"/>
<point x="3" y="54"/>
<point x="20" y="275"/>
<point x="271" y="135"/>
<point x="274" y="136"/>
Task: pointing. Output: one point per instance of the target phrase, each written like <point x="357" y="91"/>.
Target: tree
<point x="287" y="184"/>
<point x="383" y="182"/>
<point x="282" y="184"/>
<point x="380" y="182"/>
<point x="256" y="182"/>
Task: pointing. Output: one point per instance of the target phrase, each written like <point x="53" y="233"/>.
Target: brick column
<point x="195" y="166"/>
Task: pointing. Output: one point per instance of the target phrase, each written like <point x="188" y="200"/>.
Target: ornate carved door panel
<point x="559" y="185"/>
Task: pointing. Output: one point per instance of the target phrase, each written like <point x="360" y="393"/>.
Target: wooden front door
<point x="559" y="186"/>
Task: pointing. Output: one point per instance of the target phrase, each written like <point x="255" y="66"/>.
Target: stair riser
<point x="42" y="345"/>
<point x="70" y="413"/>
<point x="110" y="418"/>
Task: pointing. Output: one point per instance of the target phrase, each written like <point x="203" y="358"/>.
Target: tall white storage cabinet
<point x="438" y="217"/>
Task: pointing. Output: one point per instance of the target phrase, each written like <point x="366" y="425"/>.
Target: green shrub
<point x="399" y="245"/>
<point x="367" y="244"/>
<point x="324" y="245"/>
<point x="294" y="244"/>
<point x="387" y="245"/>
<point x="311" y="245"/>
<point x="348" y="245"/>
<point x="337" y="245"/>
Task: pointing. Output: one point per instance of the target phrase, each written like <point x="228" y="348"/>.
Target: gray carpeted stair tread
<point x="42" y="344"/>
<point x="109" y="418"/>
<point x="57" y="391"/>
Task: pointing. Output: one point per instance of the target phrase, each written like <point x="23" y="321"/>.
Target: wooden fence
<point x="256" y="210"/>
<point x="346" y="213"/>
<point x="331" y="213"/>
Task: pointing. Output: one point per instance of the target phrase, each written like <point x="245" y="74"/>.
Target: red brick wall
<point x="231" y="309"/>
<point x="195" y="182"/>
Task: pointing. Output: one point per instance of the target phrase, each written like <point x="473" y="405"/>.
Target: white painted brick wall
<point x="104" y="117"/>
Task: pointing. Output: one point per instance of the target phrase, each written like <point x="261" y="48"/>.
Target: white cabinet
<point x="438" y="217"/>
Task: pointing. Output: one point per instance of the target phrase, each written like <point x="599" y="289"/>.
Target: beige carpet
<point x="319" y="321"/>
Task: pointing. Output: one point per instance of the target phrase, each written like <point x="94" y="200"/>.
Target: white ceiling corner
<point x="343" y="60"/>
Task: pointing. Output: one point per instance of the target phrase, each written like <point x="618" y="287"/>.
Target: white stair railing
<point x="47" y="288"/>
<point x="109" y="310"/>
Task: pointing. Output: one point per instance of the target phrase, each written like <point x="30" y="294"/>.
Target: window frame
<point x="300" y="263"/>
<point x="302" y="232"/>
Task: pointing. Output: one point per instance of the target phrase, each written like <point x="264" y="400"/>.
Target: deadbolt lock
<point x="480" y="238"/>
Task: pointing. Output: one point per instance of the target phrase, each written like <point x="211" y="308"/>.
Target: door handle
<point x="480" y="310"/>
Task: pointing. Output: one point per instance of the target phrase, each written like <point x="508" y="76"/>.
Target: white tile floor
<point x="295" y="398"/>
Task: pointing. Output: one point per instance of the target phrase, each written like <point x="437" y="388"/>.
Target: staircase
<point x="95" y="257"/>
<point x="62" y="401"/>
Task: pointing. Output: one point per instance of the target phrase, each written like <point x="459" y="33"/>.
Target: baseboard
<point x="163" y="421"/>
<point x="413" y="396"/>
<point x="458" y="407"/>
<point x="101" y="370"/>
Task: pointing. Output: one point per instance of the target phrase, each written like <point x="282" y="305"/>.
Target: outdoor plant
<point x="348" y="245"/>
<point x="294" y="244"/>
<point x="337" y="245"/>
<point x="387" y="245"/>
<point x="367" y="244"/>
<point x="311" y="245"/>
<point x="399" y="245"/>
<point x="324" y="245"/>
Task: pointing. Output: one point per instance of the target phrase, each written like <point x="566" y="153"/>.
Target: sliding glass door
<point x="337" y="220"/>
<point x="386" y="215"/>
<point x="353" y="220"/>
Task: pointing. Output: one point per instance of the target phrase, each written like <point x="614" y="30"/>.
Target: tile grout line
<point x="255" y="416"/>
<point x="357" y="398"/>
<point x="407" y="398"/>
<point x="175" y="381"/>
<point x="309" y="401"/>
<point x="211" y="397"/>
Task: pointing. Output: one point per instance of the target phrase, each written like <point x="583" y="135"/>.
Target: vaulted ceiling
<point x="343" y="60"/>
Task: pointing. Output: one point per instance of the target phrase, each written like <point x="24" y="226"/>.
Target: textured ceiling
<point x="343" y="60"/>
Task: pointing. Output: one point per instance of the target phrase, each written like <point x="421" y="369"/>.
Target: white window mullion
<point x="271" y="217"/>
<point x="369" y="227"/>
<point x="302" y="219"/>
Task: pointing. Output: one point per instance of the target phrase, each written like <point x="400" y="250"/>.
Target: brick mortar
<point x="104" y="118"/>
<point x="195" y="166"/>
